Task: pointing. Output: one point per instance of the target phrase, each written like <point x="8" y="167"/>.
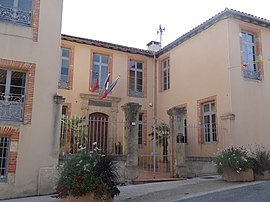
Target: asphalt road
<point x="252" y="193"/>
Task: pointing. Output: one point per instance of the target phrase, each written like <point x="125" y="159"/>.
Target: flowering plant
<point x="260" y="156"/>
<point x="233" y="158"/>
<point x="86" y="172"/>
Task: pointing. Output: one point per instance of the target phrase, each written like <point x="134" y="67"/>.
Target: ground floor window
<point x="4" y="150"/>
<point x="209" y="122"/>
<point x="140" y="130"/>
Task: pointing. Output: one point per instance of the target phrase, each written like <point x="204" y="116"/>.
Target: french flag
<point x="105" y="85"/>
<point x="109" y="89"/>
<point x="95" y="86"/>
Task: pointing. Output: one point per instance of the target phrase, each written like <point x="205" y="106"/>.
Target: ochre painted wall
<point x="38" y="145"/>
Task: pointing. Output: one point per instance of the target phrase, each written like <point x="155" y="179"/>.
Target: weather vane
<point x="160" y="32"/>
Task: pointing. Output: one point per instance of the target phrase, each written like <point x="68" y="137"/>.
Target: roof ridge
<point x="107" y="45"/>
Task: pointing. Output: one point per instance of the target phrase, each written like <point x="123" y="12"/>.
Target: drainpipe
<point x="154" y="113"/>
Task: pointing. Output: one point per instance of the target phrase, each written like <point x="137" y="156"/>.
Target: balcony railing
<point x="63" y="84"/>
<point x="134" y="93"/>
<point x="251" y="74"/>
<point x="11" y="107"/>
<point x="15" y="15"/>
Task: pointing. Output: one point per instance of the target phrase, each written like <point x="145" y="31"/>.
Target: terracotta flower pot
<point x="88" y="198"/>
<point x="232" y="176"/>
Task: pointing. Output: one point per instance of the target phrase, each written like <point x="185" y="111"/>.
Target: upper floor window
<point x="65" y="67"/>
<point x="12" y="95"/>
<point x="166" y="74"/>
<point x="209" y="122"/>
<point x="100" y="69"/>
<point x="4" y="150"/>
<point x="136" y="78"/>
<point x="16" y="11"/>
<point x="250" y="69"/>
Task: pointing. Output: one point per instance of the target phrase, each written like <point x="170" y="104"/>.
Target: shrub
<point x="233" y="158"/>
<point x="260" y="157"/>
<point x="85" y="172"/>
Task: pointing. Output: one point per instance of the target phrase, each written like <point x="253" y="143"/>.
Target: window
<point x="100" y="68"/>
<point x="4" y="150"/>
<point x="64" y="111"/>
<point x="65" y="68"/>
<point x="140" y="130"/>
<point x="250" y="69"/>
<point x="12" y="95"/>
<point x="166" y="74"/>
<point x="136" y="79"/>
<point x="16" y="11"/>
<point x="209" y="122"/>
<point x="185" y="131"/>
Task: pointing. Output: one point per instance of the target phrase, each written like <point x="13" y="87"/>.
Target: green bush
<point x="85" y="172"/>
<point x="233" y="158"/>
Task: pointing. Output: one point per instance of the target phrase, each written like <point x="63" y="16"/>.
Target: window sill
<point x="11" y="123"/>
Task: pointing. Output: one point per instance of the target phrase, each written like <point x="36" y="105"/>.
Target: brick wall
<point x="13" y="134"/>
<point x="35" y="19"/>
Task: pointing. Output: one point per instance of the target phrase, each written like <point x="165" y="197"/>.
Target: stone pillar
<point x="178" y="148"/>
<point x="47" y="176"/>
<point x="131" y="110"/>
<point x="58" y="100"/>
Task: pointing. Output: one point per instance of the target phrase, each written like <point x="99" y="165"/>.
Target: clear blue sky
<point x="135" y="22"/>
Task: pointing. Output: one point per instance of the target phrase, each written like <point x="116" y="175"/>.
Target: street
<point x="257" y="192"/>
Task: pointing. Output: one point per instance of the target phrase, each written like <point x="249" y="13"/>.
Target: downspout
<point x="154" y="113"/>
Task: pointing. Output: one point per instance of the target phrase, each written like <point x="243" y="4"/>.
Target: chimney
<point x="153" y="46"/>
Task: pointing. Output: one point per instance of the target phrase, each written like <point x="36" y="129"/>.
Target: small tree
<point x="72" y="133"/>
<point x="162" y="136"/>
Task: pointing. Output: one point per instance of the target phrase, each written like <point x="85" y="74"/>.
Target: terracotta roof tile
<point x="107" y="45"/>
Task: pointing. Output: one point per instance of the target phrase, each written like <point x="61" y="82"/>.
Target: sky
<point x="134" y="23"/>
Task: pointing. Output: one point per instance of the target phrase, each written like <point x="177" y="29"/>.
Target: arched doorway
<point x="98" y="131"/>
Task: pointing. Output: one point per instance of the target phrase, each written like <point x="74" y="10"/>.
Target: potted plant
<point x="234" y="164"/>
<point x="88" y="177"/>
<point x="260" y="156"/>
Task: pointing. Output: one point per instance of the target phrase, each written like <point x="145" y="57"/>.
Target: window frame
<point x="135" y="92"/>
<point x="9" y="99"/>
<point x="251" y="70"/>
<point x="143" y="131"/>
<point x="254" y="69"/>
<point x="100" y="64"/>
<point x="140" y="129"/>
<point x="91" y="76"/>
<point x="165" y="71"/>
<point x="30" y="69"/>
<point x="64" y="58"/>
<point x="70" y="68"/>
<point x="211" y="127"/>
<point x="4" y="177"/>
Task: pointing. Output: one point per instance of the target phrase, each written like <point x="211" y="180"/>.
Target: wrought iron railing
<point x="251" y="74"/>
<point x="134" y="93"/>
<point x="63" y="84"/>
<point x="89" y="133"/>
<point x="15" y="15"/>
<point x="11" y="107"/>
